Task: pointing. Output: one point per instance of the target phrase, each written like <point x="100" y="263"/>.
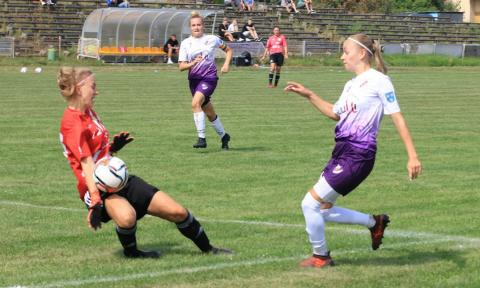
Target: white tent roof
<point x="139" y="27"/>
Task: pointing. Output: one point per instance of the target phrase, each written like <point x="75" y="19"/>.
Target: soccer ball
<point x="38" y="70"/>
<point x="110" y="175"/>
<point x="23" y="70"/>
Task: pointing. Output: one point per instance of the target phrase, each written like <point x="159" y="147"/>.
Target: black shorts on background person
<point x="171" y="48"/>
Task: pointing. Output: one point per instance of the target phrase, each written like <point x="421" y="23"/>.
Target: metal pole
<point x="13" y="47"/>
<point x="59" y="46"/>
<point x="214" y="21"/>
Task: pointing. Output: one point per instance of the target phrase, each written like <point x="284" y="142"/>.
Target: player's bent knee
<point x="178" y="214"/>
<point x="196" y="105"/>
<point x="127" y="220"/>
<point x="309" y="203"/>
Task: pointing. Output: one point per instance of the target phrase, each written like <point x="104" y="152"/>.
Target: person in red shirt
<point x="277" y="49"/>
<point x="85" y="141"/>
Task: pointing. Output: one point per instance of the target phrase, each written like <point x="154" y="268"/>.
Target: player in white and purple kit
<point x="197" y="55"/>
<point x="359" y="111"/>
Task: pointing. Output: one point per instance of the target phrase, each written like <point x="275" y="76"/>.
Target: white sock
<point x="315" y="225"/>
<point x="217" y="125"/>
<point x="199" y="118"/>
<point x="346" y="216"/>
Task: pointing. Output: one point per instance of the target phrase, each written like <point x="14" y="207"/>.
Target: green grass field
<point x="248" y="198"/>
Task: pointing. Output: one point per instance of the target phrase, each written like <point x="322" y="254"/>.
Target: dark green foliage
<point x="387" y="6"/>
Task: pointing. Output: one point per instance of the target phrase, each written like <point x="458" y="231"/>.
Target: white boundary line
<point x="389" y="232"/>
<point x="219" y="266"/>
<point x="426" y="239"/>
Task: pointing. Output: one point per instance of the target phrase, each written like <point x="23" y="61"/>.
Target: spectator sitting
<point x="118" y="3"/>
<point x="290" y="6"/>
<point x="48" y="2"/>
<point x="307" y="4"/>
<point x="233" y="29"/>
<point x="249" y="30"/>
<point x="236" y="4"/>
<point x="248" y="5"/>
<point x="171" y="47"/>
<point x="223" y="31"/>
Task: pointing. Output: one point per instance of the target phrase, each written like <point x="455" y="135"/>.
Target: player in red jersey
<point x="85" y="141"/>
<point x="278" y="51"/>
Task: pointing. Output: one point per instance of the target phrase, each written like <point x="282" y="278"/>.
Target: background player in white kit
<point x="359" y="111"/>
<point x="197" y="54"/>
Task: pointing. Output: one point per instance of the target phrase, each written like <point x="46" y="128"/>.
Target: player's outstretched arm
<point x="414" y="166"/>
<point x="323" y="106"/>
<point x="119" y="141"/>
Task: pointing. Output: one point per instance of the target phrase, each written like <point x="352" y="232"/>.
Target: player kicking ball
<point x="358" y="112"/>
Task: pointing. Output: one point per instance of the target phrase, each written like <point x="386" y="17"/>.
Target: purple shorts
<point x="204" y="86"/>
<point x="348" y="167"/>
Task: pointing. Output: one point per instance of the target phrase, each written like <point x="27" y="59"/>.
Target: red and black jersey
<point x="83" y="135"/>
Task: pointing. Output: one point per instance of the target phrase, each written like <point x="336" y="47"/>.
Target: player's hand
<point x="94" y="216"/>
<point x="119" y="140"/>
<point x="298" y="88"/>
<point x="197" y="59"/>
<point x="414" y="168"/>
<point x="285" y="56"/>
<point x="225" y="68"/>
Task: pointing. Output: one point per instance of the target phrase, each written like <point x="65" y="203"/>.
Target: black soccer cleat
<point x="220" y="251"/>
<point x="376" y="232"/>
<point x="225" y="140"/>
<point x="201" y="143"/>
<point x="141" y="254"/>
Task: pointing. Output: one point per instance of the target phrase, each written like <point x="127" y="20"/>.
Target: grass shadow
<point x="234" y="149"/>
<point x="409" y="258"/>
<point x="165" y="248"/>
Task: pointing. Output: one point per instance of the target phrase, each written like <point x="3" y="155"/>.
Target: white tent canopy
<point x="138" y="27"/>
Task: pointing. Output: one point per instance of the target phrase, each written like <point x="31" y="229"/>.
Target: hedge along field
<point x="248" y="198"/>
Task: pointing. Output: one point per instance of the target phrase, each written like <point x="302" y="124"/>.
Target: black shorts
<point x="137" y="192"/>
<point x="276" y="58"/>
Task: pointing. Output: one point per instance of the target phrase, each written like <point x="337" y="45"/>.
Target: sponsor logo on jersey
<point x="390" y="96"/>
<point x="338" y="169"/>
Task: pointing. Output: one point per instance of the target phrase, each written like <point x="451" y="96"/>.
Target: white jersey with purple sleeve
<point x="205" y="46"/>
<point x="364" y="101"/>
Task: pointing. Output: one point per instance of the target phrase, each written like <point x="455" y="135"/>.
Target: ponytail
<point x="377" y="54"/>
<point x="68" y="78"/>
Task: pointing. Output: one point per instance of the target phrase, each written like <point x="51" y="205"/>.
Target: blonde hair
<point x="193" y="15"/>
<point x="374" y="47"/>
<point x="68" y="78"/>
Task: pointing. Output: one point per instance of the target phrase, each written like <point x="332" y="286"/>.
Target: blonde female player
<point x="197" y="55"/>
<point x="364" y="101"/>
<point x="85" y="141"/>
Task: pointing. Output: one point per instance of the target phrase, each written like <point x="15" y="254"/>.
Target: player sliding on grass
<point x="85" y="141"/>
<point x="197" y="55"/>
<point x="364" y="101"/>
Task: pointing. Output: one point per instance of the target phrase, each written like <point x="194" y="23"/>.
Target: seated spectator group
<point x="118" y="3"/>
<point x="241" y="5"/>
<point x="231" y="32"/>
